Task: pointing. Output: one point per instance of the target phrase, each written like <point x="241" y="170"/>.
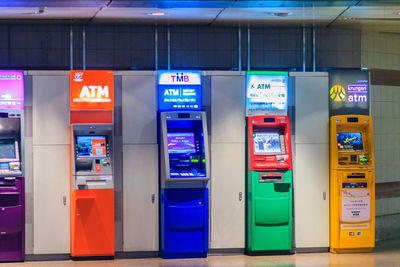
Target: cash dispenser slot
<point x="356" y="176"/>
<point x="270" y="177"/>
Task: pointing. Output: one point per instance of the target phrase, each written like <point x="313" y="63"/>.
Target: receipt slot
<point x="352" y="184"/>
<point x="269" y="186"/>
<point x="92" y="180"/>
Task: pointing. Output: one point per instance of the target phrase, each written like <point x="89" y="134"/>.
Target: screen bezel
<point x="354" y="151"/>
<point x="77" y="152"/>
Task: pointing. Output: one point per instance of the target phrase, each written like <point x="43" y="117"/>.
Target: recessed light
<point x="280" y="14"/>
<point x="156" y="14"/>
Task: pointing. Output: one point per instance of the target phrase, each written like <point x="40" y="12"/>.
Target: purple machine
<point x="12" y="184"/>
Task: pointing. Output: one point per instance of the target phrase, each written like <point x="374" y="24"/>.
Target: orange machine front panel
<point x="92" y="222"/>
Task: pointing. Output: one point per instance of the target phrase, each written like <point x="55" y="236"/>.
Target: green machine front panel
<point x="269" y="213"/>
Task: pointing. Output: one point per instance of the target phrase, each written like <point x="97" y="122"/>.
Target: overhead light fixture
<point x="156" y="14"/>
<point x="280" y="14"/>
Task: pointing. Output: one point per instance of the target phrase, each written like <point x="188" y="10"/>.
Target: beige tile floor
<point x="380" y="258"/>
<point x="387" y="255"/>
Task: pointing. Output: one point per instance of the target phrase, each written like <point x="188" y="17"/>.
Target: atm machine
<point x="269" y="186"/>
<point x="12" y="184"/>
<point x="269" y="179"/>
<point x="352" y="184"/>
<point x="184" y="167"/>
<point x="92" y="180"/>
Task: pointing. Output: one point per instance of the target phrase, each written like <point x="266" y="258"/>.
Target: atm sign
<point x="91" y="90"/>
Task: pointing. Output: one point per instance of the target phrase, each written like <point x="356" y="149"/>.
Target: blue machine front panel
<point x="184" y="222"/>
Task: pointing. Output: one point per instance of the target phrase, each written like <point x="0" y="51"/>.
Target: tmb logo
<point x="94" y="91"/>
<point x="78" y="77"/>
<point x="180" y="78"/>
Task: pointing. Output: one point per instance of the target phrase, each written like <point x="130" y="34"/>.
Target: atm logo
<point x="78" y="77"/>
<point x="179" y="77"/>
<point x="95" y="92"/>
<point x="338" y="93"/>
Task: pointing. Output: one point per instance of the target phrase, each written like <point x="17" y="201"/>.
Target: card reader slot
<point x="356" y="176"/>
<point x="270" y="177"/>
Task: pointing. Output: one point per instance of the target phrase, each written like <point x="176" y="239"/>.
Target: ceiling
<point x="378" y="15"/>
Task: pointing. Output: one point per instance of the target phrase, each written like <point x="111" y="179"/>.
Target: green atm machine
<point x="269" y="180"/>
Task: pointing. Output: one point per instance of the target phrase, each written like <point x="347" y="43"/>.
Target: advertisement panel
<point x="266" y="93"/>
<point x="91" y="90"/>
<point x="11" y="89"/>
<point x="179" y="90"/>
<point x="348" y="92"/>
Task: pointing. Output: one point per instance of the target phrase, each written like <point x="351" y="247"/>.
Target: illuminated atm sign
<point x="179" y="90"/>
<point x="91" y="90"/>
<point x="11" y="89"/>
<point x="349" y="92"/>
<point x="266" y="93"/>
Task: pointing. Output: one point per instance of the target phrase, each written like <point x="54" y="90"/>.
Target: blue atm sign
<point x="179" y="90"/>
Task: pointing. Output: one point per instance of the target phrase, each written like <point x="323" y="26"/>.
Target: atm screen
<point x="350" y="142"/>
<point x="267" y="143"/>
<point x="181" y="143"/>
<point x="186" y="149"/>
<point x="91" y="146"/>
<point x="7" y="149"/>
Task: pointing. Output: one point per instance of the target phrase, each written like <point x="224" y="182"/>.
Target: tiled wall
<point x="382" y="51"/>
<point x="132" y="47"/>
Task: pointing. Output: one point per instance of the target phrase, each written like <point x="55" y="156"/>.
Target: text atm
<point x="352" y="184"/>
<point x="269" y="181"/>
<point x="269" y="185"/>
<point x="12" y="184"/>
<point x="92" y="180"/>
<point x="185" y="168"/>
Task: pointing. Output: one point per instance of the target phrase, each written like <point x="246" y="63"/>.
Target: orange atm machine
<point x="352" y="184"/>
<point x="92" y="180"/>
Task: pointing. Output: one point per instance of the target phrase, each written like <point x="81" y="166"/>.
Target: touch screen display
<point x="181" y="143"/>
<point x="350" y="142"/>
<point x="186" y="149"/>
<point x="267" y="143"/>
<point x="91" y="146"/>
<point x="7" y="149"/>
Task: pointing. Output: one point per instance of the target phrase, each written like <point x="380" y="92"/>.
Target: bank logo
<point x="78" y="77"/>
<point x="338" y="93"/>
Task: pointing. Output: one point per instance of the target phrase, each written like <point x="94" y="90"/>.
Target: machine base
<point x="91" y="258"/>
<point x="183" y="255"/>
<point x="350" y="250"/>
<point x="268" y="252"/>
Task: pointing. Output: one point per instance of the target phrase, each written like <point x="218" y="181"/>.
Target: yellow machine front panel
<point x="352" y="184"/>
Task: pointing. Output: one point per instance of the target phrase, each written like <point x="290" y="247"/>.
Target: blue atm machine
<point x="184" y="166"/>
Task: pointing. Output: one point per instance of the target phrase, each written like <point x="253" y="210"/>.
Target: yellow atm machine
<point x="352" y="184"/>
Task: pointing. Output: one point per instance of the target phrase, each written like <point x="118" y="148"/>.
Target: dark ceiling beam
<point x="100" y="9"/>
<point x="341" y="13"/>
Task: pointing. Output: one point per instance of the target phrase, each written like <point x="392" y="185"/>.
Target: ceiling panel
<point x="274" y="15"/>
<point x="173" y="4"/>
<point x="48" y="13"/>
<point x="172" y="15"/>
<point x="53" y="3"/>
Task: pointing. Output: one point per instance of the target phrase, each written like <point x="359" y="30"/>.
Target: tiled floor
<point x="387" y="256"/>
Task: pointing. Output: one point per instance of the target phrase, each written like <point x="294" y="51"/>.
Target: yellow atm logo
<point x="338" y="93"/>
